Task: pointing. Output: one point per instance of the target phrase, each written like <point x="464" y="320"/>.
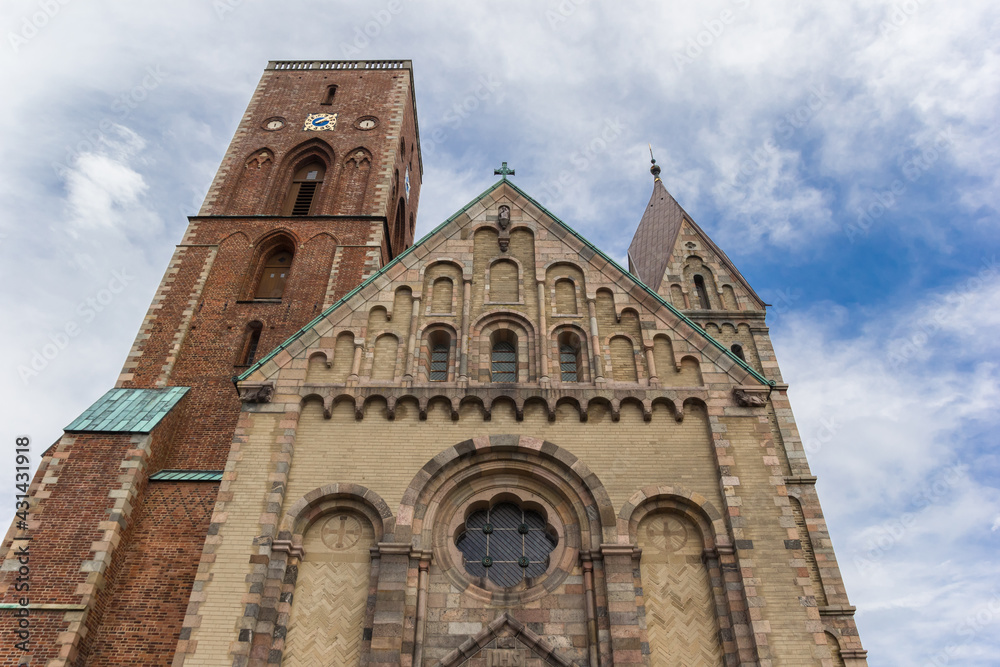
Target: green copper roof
<point x="504" y="181"/>
<point x="127" y="411"/>
<point x="186" y="476"/>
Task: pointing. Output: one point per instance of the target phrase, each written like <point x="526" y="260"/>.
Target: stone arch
<point x="683" y="595"/>
<point x="425" y="339"/>
<point x="572" y="333"/>
<point x="265" y="246"/>
<point x="624" y="357"/>
<point x="690" y="372"/>
<point x="655" y="498"/>
<point x="833" y="645"/>
<point x="385" y="357"/>
<point x="328" y="537"/>
<point x="329" y="235"/>
<point x="457" y="463"/>
<point x="325" y="499"/>
<point x="310" y="150"/>
<point x="483" y="331"/>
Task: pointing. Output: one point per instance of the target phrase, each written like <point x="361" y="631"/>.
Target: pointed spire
<point x="656" y="235"/>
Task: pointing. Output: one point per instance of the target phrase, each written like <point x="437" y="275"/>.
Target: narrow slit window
<point x="251" y="343"/>
<point x="738" y="351"/>
<point x="439" y="361"/>
<point x="504" y="362"/>
<point x="699" y="286"/>
<point x="568" y="363"/>
<point x="331" y="92"/>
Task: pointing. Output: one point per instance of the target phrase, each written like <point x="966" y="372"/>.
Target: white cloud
<point x="895" y="424"/>
<point x="103" y="190"/>
<point x="911" y="500"/>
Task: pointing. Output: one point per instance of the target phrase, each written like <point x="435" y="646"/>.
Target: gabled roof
<point x="656" y="236"/>
<point x="504" y="181"/>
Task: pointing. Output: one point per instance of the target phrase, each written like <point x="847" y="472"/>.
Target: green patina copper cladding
<point x="127" y="411"/>
<point x="186" y="476"/>
<point x="666" y="304"/>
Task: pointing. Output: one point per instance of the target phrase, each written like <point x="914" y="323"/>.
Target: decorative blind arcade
<point x="505" y="544"/>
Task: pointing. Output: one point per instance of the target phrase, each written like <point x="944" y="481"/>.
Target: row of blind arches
<point x="503" y="356"/>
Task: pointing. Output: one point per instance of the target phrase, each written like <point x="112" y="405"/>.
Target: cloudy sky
<point x="844" y="155"/>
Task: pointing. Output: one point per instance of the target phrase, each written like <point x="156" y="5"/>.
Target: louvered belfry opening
<point x="305" y="185"/>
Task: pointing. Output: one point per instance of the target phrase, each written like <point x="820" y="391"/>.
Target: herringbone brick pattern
<point x="680" y="614"/>
<point x="328" y="611"/>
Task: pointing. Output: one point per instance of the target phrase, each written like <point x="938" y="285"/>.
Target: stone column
<point x="463" y="372"/>
<point x="595" y="342"/>
<point x="626" y="646"/>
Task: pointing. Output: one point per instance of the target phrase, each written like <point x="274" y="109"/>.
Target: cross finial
<point x="504" y="171"/>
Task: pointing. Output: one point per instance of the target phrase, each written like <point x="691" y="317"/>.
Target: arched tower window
<point x="274" y="276"/>
<point x="331" y="92"/>
<point x="503" y="359"/>
<point x="440" y="347"/>
<point x="738" y="351"/>
<point x="302" y="194"/>
<point x="251" y="343"/>
<point x="699" y="286"/>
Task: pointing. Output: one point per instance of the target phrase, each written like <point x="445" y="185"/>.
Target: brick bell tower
<point x="318" y="190"/>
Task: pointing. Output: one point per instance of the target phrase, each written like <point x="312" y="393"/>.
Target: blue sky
<point x="846" y="157"/>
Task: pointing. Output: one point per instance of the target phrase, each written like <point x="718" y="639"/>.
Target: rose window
<point x="505" y="544"/>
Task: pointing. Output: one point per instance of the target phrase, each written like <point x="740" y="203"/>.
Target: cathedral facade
<point x="331" y="445"/>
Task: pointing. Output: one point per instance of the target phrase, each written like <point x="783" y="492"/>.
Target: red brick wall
<point x="192" y="337"/>
<point x="67" y="521"/>
<point x="149" y="591"/>
<point x="206" y="316"/>
<point x="45" y="626"/>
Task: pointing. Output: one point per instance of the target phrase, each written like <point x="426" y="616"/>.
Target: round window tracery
<point x="505" y="544"/>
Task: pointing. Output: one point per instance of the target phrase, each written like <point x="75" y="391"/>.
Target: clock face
<point x="274" y="124"/>
<point x="366" y="123"/>
<point x="320" y="121"/>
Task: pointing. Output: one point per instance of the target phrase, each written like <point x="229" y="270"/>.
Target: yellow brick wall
<point x="808" y="552"/>
<point x="385" y="455"/>
<point x="565" y="297"/>
<point x="223" y="605"/>
<point x="343" y="357"/>
<point x="765" y="513"/>
<point x="384" y="361"/>
<point x="503" y="282"/>
<point x="442" y="294"/>
<point x="622" y="359"/>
